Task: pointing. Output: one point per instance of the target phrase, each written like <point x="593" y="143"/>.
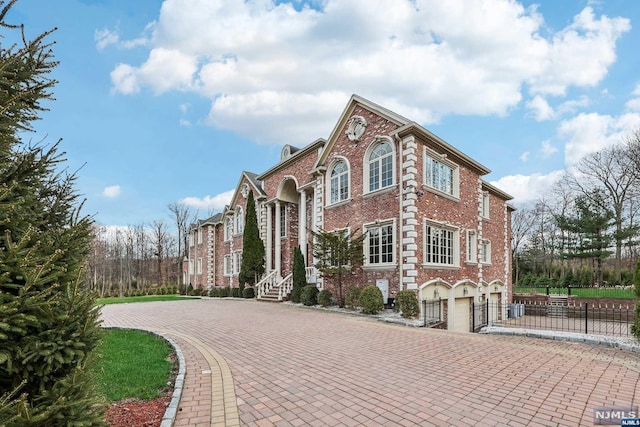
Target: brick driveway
<point x="289" y="366"/>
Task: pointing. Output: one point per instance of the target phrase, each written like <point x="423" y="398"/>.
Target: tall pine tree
<point x="49" y="323"/>
<point x="252" y="265"/>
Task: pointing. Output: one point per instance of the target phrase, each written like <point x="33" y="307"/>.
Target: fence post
<point x="473" y="317"/>
<point x="486" y="315"/>
<point x="569" y="289"/>
<point x="586" y="317"/>
<point x="424" y="312"/>
<point x="547" y="290"/>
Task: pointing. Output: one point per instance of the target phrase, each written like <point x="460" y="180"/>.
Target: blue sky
<point x="168" y="101"/>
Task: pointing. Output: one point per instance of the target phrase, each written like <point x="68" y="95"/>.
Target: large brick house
<point x="432" y="224"/>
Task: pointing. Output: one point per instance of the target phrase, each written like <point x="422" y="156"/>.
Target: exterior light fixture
<point x="465" y="291"/>
<point x="436" y="294"/>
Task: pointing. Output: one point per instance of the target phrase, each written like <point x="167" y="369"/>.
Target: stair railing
<point x="267" y="283"/>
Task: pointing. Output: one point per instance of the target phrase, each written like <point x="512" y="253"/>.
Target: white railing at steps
<point x="312" y="274"/>
<point x="285" y="287"/>
<point x="267" y="283"/>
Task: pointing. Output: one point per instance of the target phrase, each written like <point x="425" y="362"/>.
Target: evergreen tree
<point x="299" y="275"/>
<point x="49" y="322"/>
<point x="338" y="253"/>
<point x="253" y="253"/>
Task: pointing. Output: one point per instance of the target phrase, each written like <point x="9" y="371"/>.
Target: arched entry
<point x="435" y="293"/>
<point x="463" y="295"/>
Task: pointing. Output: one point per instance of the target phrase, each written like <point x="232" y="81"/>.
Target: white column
<point x="269" y="247"/>
<point x="302" y="224"/>
<point x="278" y="233"/>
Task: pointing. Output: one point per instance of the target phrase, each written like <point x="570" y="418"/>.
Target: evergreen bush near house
<point x="309" y="295"/>
<point x="248" y="293"/>
<point x="407" y="303"/>
<point x="223" y="292"/>
<point x="214" y="292"/>
<point x="324" y="298"/>
<point x="353" y="295"/>
<point x="253" y="252"/>
<point x="371" y="300"/>
<point x="189" y="289"/>
<point x="49" y="321"/>
<point x="299" y="275"/>
<point x="635" y="327"/>
<point x="236" y="292"/>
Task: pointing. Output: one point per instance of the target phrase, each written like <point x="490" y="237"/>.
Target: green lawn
<point x="147" y="298"/>
<point x="582" y="292"/>
<point x="133" y="364"/>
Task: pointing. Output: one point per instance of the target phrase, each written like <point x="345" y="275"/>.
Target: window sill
<point x="379" y="267"/>
<point x="384" y="190"/>
<point x="440" y="267"/>
<point x="338" y="204"/>
<point x="440" y="193"/>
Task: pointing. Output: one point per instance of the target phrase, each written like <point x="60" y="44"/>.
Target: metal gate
<point x="431" y="311"/>
<point x="480" y="315"/>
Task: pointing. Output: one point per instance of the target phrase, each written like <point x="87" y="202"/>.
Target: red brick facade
<point x="432" y="224"/>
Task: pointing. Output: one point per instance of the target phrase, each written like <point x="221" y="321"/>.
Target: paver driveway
<point x="296" y="366"/>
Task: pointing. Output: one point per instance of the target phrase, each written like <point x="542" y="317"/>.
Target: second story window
<point x="381" y="167"/>
<point x="228" y="228"/>
<point x="239" y="220"/>
<point x="339" y="183"/>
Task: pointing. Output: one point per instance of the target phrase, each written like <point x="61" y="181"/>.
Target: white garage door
<point x="461" y="322"/>
<point x="494" y="308"/>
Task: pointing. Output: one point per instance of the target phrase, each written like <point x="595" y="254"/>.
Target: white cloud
<point x="105" y="38"/>
<point x="212" y="204"/>
<point x="547" y="149"/>
<point x="540" y="108"/>
<point x="634" y="103"/>
<point x="111" y="191"/>
<point x="528" y="188"/>
<point x="525" y="156"/>
<point x="588" y="133"/>
<point x="277" y="74"/>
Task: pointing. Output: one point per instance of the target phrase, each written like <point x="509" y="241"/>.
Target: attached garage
<point x="462" y="317"/>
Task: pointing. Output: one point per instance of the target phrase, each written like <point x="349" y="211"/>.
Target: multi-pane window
<point x="237" y="261"/>
<point x="439" y="175"/>
<point x="339" y="182"/>
<point x="381" y="167"/>
<point x="440" y="245"/>
<point x="485" y="251"/>
<point x="190" y="266"/>
<point x="380" y="244"/>
<point x="472" y="246"/>
<point x="228" y="228"/>
<point x="199" y="236"/>
<point x="228" y="267"/>
<point x="199" y="266"/>
<point x="239" y="220"/>
<point x="191" y="238"/>
<point x="485" y="204"/>
<point x="283" y="220"/>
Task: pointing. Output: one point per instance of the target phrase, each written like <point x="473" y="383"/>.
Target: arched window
<point x="381" y="167"/>
<point x="228" y="228"/>
<point x="239" y="220"/>
<point x="339" y="182"/>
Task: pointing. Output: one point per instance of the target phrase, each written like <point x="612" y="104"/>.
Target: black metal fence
<point x="585" y="318"/>
<point x="431" y="312"/>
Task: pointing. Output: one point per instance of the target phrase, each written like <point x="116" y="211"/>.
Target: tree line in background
<point x="142" y="258"/>
<point x="586" y="230"/>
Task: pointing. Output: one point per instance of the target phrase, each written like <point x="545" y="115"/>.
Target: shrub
<point x="309" y="295"/>
<point x="324" y="298"/>
<point x="213" y="292"/>
<point x="353" y="296"/>
<point x="223" y="292"/>
<point x="189" y="289"/>
<point x="236" y="292"/>
<point x="371" y="300"/>
<point x="407" y="303"/>
<point x="248" y="292"/>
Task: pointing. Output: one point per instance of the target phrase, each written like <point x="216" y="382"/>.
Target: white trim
<point x="333" y="164"/>
<point x="366" y="161"/>
<point x="455" y="241"/>
<point x="442" y="159"/>
<point x="378" y="224"/>
<point x="472" y="246"/>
